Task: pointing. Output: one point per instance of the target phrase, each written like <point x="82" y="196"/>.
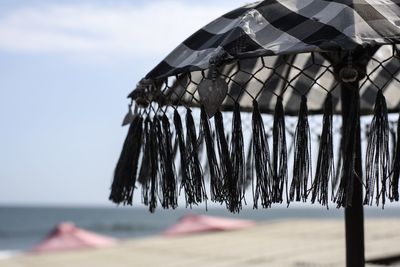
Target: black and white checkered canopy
<point x="279" y="57"/>
<point x="283" y="27"/>
<point x="290" y="48"/>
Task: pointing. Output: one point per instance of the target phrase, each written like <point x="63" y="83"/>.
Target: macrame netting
<point x="264" y="140"/>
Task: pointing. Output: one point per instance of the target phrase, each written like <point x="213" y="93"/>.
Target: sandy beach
<point x="297" y="243"/>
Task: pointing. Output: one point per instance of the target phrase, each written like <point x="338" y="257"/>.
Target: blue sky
<point x="66" y="69"/>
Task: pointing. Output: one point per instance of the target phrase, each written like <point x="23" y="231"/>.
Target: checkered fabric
<point x="278" y="27"/>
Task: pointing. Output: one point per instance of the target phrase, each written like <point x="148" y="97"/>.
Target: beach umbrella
<point x="218" y="112"/>
<point x="194" y="224"/>
<point x="66" y="237"/>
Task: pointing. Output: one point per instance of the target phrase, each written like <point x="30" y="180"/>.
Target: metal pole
<point x="354" y="215"/>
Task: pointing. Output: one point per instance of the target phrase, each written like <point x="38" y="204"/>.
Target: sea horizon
<point x="23" y="226"/>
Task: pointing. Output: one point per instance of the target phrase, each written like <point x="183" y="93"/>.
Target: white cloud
<point x="151" y="29"/>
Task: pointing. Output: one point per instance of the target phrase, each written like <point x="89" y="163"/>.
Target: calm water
<point x="22" y="227"/>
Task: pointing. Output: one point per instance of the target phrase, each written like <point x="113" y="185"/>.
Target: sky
<point x="66" y="68"/>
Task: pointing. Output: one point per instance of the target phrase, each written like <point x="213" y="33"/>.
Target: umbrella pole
<point x="354" y="215"/>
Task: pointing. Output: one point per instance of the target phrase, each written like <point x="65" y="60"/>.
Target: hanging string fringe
<point x="149" y="150"/>
<point x="280" y="156"/>
<point x="126" y="169"/>
<point x="196" y="173"/>
<point x="167" y="178"/>
<point x="217" y="191"/>
<point x="249" y="164"/>
<point x="377" y="156"/>
<point x="302" y="156"/>
<point x="237" y="186"/>
<point x="261" y="161"/>
<point x="325" y="167"/>
<point x="186" y="184"/>
<point x="154" y="157"/>
<point x="145" y="168"/>
<point x="336" y="178"/>
<point x="344" y="194"/>
<point x="394" y="183"/>
<point x="213" y="168"/>
<point x="148" y="171"/>
<point x="235" y="181"/>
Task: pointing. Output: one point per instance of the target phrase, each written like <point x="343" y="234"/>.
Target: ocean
<point x="23" y="227"/>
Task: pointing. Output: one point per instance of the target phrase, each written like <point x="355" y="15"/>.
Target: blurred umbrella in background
<point x="274" y="60"/>
<point x="195" y="224"/>
<point x="66" y="237"/>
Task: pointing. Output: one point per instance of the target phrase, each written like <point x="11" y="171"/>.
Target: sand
<point x="298" y="243"/>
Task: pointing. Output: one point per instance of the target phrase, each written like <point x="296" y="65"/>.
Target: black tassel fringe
<point x="149" y="168"/>
<point x="325" y="166"/>
<point x="186" y="183"/>
<point x="302" y="156"/>
<point x="336" y="178"/>
<point x="249" y="164"/>
<point x="152" y="144"/>
<point x="196" y="173"/>
<point x="394" y="183"/>
<point x="236" y="186"/>
<point x="279" y="155"/>
<point x="153" y="166"/>
<point x="261" y="160"/>
<point x="145" y="168"/>
<point x="166" y="164"/>
<point x="213" y="168"/>
<point x="217" y="187"/>
<point x="126" y="169"/>
<point x="377" y="156"/>
<point x="350" y="124"/>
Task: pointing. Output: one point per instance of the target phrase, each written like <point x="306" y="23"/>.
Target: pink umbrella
<point x="66" y="236"/>
<point x="192" y="223"/>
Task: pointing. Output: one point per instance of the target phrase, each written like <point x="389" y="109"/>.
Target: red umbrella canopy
<point x="192" y="223"/>
<point x="66" y="236"/>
